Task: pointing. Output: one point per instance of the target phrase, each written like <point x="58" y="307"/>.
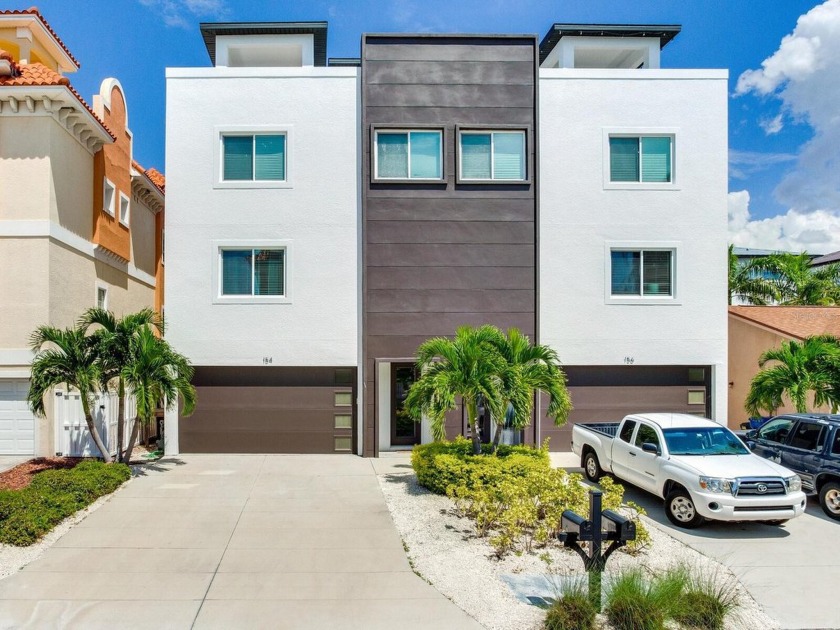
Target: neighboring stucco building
<point x="327" y="216"/>
<point x="80" y="221"/>
<point x="755" y="329"/>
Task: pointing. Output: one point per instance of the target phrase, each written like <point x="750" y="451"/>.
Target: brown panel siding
<point x="266" y="410"/>
<point x="608" y="393"/>
<point x="438" y="256"/>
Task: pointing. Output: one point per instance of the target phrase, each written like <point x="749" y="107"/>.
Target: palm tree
<point x="467" y="366"/>
<point x="66" y="357"/>
<point x="800" y="369"/>
<point x="156" y="374"/>
<point x="114" y="337"/>
<point x="797" y="283"/>
<point x="528" y="369"/>
<point x="748" y="282"/>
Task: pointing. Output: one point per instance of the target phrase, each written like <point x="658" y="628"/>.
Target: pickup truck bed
<point x="610" y="429"/>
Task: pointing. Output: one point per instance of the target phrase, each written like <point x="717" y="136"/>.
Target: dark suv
<point x="808" y="444"/>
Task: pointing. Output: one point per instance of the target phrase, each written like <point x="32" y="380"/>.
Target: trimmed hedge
<point x="53" y="495"/>
<point x="441" y="465"/>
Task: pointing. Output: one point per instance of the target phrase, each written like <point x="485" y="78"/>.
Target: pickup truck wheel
<point x="679" y="507"/>
<point x="830" y="499"/>
<point x="592" y="467"/>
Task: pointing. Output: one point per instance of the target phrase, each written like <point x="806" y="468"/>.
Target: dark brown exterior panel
<point x="608" y="393"/>
<point x="268" y="410"/>
<point x="445" y="254"/>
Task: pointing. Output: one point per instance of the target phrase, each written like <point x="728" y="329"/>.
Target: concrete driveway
<point x="792" y="570"/>
<point x="231" y="541"/>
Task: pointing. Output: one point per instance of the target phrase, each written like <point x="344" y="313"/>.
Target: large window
<point x="408" y="155"/>
<point x="257" y="157"/>
<point x="253" y="272"/>
<point x="492" y="155"/>
<point x="644" y="159"/>
<point x="642" y="272"/>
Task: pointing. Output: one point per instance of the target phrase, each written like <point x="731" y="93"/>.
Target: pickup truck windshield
<point x="703" y="441"/>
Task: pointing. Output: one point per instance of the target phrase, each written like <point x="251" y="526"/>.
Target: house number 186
<point x="629" y="360"/>
<point x="267" y="360"/>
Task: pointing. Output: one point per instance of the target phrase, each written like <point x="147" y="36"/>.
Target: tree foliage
<point x="66" y="357"/>
<point x="802" y="371"/>
<point x="484" y="366"/>
<point x="784" y="279"/>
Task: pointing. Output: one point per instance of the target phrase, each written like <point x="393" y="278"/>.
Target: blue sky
<point x="783" y="171"/>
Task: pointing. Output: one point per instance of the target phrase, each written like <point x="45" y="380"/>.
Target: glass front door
<point x="404" y="430"/>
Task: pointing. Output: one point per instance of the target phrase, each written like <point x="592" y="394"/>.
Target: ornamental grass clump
<point x="636" y="603"/>
<point x="705" y="602"/>
<point x="573" y="610"/>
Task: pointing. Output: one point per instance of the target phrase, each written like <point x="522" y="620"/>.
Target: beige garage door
<point x="17" y="423"/>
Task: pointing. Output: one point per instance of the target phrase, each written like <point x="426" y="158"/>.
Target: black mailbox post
<point x="606" y="525"/>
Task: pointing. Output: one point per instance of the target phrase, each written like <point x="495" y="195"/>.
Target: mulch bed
<point x="21" y="475"/>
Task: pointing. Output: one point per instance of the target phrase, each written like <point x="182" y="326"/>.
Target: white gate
<point x="75" y="439"/>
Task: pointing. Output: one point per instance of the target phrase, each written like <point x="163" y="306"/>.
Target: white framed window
<point x="642" y="272"/>
<point x="109" y="196"/>
<point x="492" y="156"/>
<point x="643" y="158"/>
<point x="125" y="208"/>
<point x="251" y="272"/>
<point x="101" y="296"/>
<point x="408" y="154"/>
<point x="253" y="157"/>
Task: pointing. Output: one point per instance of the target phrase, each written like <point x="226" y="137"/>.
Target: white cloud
<point x="771" y="125"/>
<point x="742" y="164"/>
<point x="803" y="73"/>
<point x="182" y="13"/>
<point x="816" y="232"/>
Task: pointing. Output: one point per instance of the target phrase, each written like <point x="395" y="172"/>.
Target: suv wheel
<point x="830" y="499"/>
<point x="592" y="467"/>
<point x="679" y="507"/>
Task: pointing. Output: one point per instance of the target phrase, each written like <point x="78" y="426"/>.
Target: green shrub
<point x="634" y="603"/>
<point x="440" y="465"/>
<point x="573" y="610"/>
<point x="613" y="499"/>
<point x="705" y="602"/>
<point x="52" y="496"/>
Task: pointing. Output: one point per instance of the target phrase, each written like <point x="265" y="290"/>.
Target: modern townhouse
<point x="80" y="221"/>
<point x="327" y="216"/>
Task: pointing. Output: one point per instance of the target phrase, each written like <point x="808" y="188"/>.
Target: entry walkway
<point x="233" y="541"/>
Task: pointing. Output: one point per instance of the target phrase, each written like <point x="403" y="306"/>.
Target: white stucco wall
<point x="315" y="215"/>
<point x="580" y="217"/>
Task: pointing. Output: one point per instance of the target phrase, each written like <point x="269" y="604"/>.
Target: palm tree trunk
<point x="472" y="417"/>
<point x="134" y="431"/>
<point x="94" y="433"/>
<point x="121" y="421"/>
<point x="498" y="437"/>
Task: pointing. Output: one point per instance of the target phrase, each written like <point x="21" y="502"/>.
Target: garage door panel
<point x="17" y="422"/>
<point x="612" y="403"/>
<point x="255" y="417"/>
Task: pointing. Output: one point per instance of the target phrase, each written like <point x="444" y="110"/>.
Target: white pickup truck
<point x="701" y="469"/>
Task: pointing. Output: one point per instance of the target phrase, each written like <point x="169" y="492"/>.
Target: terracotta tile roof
<point x="157" y="178"/>
<point x="37" y="74"/>
<point x="153" y="175"/>
<point x="34" y="11"/>
<point x="793" y="321"/>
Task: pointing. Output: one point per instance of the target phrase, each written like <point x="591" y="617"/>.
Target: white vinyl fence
<point x="74" y="439"/>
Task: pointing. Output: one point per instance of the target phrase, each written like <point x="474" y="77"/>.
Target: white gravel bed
<point x="443" y="549"/>
<point x="13" y="559"/>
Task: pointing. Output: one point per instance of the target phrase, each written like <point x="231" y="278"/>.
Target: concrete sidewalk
<point x="233" y="541"/>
